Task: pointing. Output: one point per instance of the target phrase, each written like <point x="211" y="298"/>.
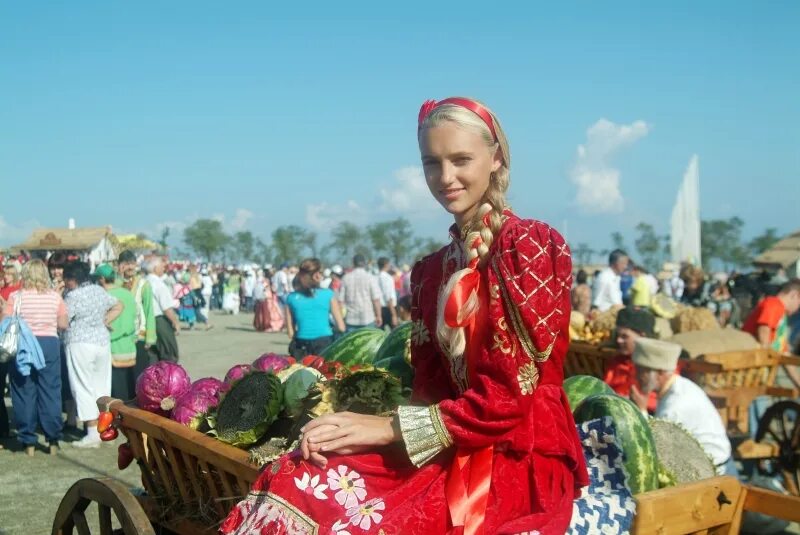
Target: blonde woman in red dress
<point x="488" y="445"/>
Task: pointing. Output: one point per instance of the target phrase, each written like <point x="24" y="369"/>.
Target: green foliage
<point x="619" y="241"/>
<point x="582" y="254"/>
<point x="244" y="245"/>
<point x="761" y="243"/>
<point x="205" y="237"/>
<point x="721" y="240"/>
<point x="288" y="243"/>
<point x="164" y="235"/>
<point x="648" y="245"/>
<point x="346" y="240"/>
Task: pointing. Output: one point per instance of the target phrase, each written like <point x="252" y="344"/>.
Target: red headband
<point x="429" y="105"/>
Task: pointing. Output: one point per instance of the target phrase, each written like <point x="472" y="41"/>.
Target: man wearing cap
<point x="123" y="336"/>
<point x="361" y="296"/>
<point x="633" y="323"/>
<point x="680" y="400"/>
<point x="132" y="280"/>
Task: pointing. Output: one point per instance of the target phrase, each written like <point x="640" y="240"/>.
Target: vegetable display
<point x="159" y="386"/>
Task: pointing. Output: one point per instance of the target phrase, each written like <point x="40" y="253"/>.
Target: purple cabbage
<point x="209" y="385"/>
<point x="237" y="372"/>
<point x="271" y="362"/>
<point x="159" y="386"/>
<point x="192" y="406"/>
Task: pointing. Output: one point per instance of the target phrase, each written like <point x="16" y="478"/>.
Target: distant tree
<point x="582" y="254"/>
<point x="425" y="246"/>
<point x="244" y="245"/>
<point x="205" y="237"/>
<point x="765" y="241"/>
<point x="401" y="240"/>
<point x="618" y="241"/>
<point x="288" y="243"/>
<point x="721" y="240"/>
<point x="164" y="235"/>
<point x="310" y="241"/>
<point x="648" y="245"/>
<point x="262" y="252"/>
<point x="346" y="240"/>
<point x="379" y="236"/>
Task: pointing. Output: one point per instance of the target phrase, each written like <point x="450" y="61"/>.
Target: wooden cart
<point x="733" y="380"/>
<point x="191" y="481"/>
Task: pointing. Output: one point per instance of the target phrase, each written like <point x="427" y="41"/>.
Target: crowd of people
<point x="731" y="297"/>
<point x="90" y="332"/>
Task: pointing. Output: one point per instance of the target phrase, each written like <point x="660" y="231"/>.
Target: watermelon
<point x="398" y="343"/>
<point x="356" y="347"/>
<point x="633" y="435"/>
<point x="398" y="367"/>
<point x="580" y="387"/>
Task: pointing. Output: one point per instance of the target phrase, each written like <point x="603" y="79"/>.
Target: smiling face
<point x="458" y="167"/>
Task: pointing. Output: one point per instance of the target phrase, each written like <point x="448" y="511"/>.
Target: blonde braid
<point x="486" y="224"/>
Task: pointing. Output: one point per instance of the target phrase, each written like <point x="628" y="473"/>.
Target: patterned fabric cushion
<point x="606" y="505"/>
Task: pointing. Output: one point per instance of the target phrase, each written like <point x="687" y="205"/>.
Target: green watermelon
<point x="580" y="387"/>
<point x="356" y="347"/>
<point x="398" y="343"/>
<point x="633" y="435"/>
<point x="398" y="367"/>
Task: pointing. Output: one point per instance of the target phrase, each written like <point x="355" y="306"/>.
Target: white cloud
<point x="409" y="194"/>
<point x="323" y="216"/>
<point x="15" y="234"/>
<point x="597" y="180"/>
<point x="241" y="218"/>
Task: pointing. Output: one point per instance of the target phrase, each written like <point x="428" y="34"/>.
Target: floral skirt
<point x="382" y="493"/>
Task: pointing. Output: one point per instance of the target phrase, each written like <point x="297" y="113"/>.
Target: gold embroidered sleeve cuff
<point x="423" y="432"/>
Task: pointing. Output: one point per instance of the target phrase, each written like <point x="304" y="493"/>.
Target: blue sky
<point x="147" y="114"/>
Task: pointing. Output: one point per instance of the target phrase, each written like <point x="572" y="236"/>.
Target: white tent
<point x="685" y="232"/>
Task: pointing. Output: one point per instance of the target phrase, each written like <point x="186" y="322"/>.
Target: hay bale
<point x="694" y="319"/>
<point x="663" y="328"/>
<point x="698" y="343"/>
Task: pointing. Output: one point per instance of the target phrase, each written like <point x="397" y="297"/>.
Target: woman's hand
<point x="347" y="433"/>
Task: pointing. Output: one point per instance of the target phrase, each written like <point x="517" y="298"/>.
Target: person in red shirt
<point x="768" y="321"/>
<point x="633" y="323"/>
<point x="11" y="280"/>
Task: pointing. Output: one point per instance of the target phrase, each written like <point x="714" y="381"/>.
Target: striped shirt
<point x="40" y="310"/>
<point x="359" y="289"/>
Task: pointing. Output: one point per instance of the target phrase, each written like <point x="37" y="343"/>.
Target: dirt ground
<point x="32" y="488"/>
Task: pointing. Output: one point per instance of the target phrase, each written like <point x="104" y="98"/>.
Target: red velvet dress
<point x="501" y="413"/>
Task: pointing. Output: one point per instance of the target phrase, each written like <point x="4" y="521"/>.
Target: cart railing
<point x="713" y="505"/>
<point x="584" y="358"/>
<point x="192" y="480"/>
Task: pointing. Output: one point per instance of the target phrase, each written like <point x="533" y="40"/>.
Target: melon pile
<point x="656" y="453"/>
<point x="261" y="406"/>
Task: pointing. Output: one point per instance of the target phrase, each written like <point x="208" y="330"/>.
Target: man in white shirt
<point x="388" y="294"/>
<point x="280" y="282"/>
<point x="607" y="290"/>
<point x="167" y="324"/>
<point x="680" y="400"/>
<point x="361" y="297"/>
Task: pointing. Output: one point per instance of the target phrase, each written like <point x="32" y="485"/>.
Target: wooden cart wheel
<point x="780" y="425"/>
<point x="109" y="495"/>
